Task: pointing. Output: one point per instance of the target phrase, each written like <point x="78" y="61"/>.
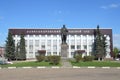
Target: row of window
<point x="72" y="47"/>
<point x="79" y="36"/>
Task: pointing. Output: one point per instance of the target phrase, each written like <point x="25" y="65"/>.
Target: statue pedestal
<point x="64" y="50"/>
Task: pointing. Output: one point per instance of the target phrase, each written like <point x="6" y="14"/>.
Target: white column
<point x="58" y="45"/>
<point x="81" y="42"/>
<point x="51" y="44"/>
<point x="39" y="42"/>
<point x="46" y="44"/>
<point x="88" y="45"/>
<point x="33" y="46"/>
<point x="28" y="48"/>
<point x="75" y="42"/>
<point x="69" y="50"/>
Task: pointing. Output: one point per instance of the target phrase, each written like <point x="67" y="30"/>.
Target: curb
<point x="91" y="67"/>
<point x="41" y="67"/>
<point x="106" y="67"/>
<point x="57" y="67"/>
<point x="11" y="67"/>
<point x="118" y="67"/>
<point x="27" y="67"/>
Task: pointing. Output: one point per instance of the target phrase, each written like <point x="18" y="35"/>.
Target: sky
<point x="55" y="13"/>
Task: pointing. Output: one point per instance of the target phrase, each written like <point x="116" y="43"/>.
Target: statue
<point x="64" y="32"/>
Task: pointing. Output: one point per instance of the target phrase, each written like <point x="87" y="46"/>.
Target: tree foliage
<point x="100" y="44"/>
<point x="116" y="51"/>
<point x="22" y="48"/>
<point x="10" y="47"/>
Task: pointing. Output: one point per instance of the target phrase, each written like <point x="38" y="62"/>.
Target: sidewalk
<point x="66" y="63"/>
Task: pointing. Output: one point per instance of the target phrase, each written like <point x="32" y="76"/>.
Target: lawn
<point x="97" y="64"/>
<point x="27" y="64"/>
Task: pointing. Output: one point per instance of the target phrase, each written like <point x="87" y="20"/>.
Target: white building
<point x="50" y="40"/>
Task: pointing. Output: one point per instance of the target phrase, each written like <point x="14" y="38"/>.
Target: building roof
<point x="57" y="31"/>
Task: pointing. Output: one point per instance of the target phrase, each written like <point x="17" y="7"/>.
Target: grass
<point x="97" y="64"/>
<point x="27" y="64"/>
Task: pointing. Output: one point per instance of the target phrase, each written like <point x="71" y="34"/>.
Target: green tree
<point x="116" y="51"/>
<point x="17" y="54"/>
<point x="10" y="47"/>
<point x="22" y="48"/>
<point x="99" y="45"/>
<point x="104" y="46"/>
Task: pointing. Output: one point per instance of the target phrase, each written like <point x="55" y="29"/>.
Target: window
<point x="48" y="47"/>
<point x="43" y="36"/>
<point x="43" y="42"/>
<point x="78" y="36"/>
<point x="30" y="35"/>
<point x="25" y="35"/>
<point x="78" y="46"/>
<point x="54" y="42"/>
<point x="84" y="37"/>
<point x="72" y="42"/>
<point x="30" y="47"/>
<point x="36" y="53"/>
<point x="72" y="36"/>
<point x="30" y="42"/>
<point x="49" y="42"/>
<point x="30" y="52"/>
<point x="78" y="41"/>
<point x="48" y="53"/>
<point x="85" y="46"/>
<point x="54" y="36"/>
<point x="54" y="53"/>
<point x="48" y="35"/>
<point x="72" y="54"/>
<point x="36" y="43"/>
<point x="84" y="41"/>
<point x="42" y="46"/>
<point x="72" y="47"/>
<point x="54" y="47"/>
<point x="36" y="35"/>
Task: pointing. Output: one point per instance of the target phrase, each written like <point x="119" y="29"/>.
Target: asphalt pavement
<point x="60" y="74"/>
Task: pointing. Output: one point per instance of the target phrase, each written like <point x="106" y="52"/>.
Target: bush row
<point x="85" y="58"/>
<point x="52" y="59"/>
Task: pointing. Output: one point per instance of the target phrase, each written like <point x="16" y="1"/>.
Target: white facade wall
<point x="52" y="44"/>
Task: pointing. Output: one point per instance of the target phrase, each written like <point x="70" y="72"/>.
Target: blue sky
<point x="55" y="13"/>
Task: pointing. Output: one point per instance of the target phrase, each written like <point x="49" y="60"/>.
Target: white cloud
<point x="57" y="12"/>
<point x="103" y="7"/>
<point x="110" y="6"/>
<point x="114" y="5"/>
<point x="116" y="40"/>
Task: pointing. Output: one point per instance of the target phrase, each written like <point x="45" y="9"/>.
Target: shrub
<point x="88" y="58"/>
<point x="47" y="58"/>
<point x="54" y="59"/>
<point x="40" y="58"/>
<point x="78" y="57"/>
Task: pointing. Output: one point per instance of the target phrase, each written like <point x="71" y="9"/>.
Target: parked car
<point x="3" y="60"/>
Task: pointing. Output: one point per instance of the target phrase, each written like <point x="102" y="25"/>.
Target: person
<point x="64" y="32"/>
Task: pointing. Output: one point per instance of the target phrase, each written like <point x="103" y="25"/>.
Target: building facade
<point x="2" y="51"/>
<point x="50" y="40"/>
